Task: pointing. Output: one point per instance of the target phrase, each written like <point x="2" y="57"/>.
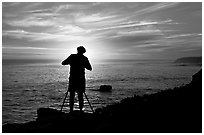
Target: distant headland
<point x="192" y="60"/>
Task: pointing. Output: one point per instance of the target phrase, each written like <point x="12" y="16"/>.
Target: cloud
<point x="10" y="4"/>
<point x="129" y="41"/>
<point x="93" y="18"/>
<point x="183" y="35"/>
<point x="113" y="26"/>
<point x="135" y="24"/>
<point x="36" y="11"/>
<point x="42" y="13"/>
<point x="31" y="5"/>
<point x="139" y="32"/>
<point x="19" y="34"/>
<point x="15" y="33"/>
<point x="28" y="48"/>
<point x="33" y="36"/>
<point x="71" y="29"/>
<point x="135" y="32"/>
<point x="30" y="21"/>
<point x="156" y="7"/>
<point x="154" y="46"/>
<point x="63" y="7"/>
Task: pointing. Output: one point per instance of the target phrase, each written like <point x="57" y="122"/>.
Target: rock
<point x="105" y="88"/>
<point x="197" y="78"/>
<point x="48" y="114"/>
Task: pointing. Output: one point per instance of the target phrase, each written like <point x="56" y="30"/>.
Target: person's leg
<point x="71" y="100"/>
<point x="81" y="101"/>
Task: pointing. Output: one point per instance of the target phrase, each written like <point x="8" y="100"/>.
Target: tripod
<point x="85" y="97"/>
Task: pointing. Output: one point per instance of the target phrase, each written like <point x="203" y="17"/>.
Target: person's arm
<point x="88" y="65"/>
<point x="67" y="61"/>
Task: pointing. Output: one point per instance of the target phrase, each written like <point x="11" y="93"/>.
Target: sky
<point x="108" y="30"/>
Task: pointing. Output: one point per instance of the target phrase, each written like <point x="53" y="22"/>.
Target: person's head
<point x="81" y="50"/>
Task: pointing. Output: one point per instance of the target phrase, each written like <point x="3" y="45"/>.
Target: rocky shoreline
<point x="177" y="110"/>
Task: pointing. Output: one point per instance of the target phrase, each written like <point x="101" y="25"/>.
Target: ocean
<point x="29" y="85"/>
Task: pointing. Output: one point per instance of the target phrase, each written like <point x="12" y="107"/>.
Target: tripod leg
<point x="88" y="102"/>
<point x="64" y="101"/>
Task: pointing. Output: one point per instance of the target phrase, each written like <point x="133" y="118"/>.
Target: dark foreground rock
<point x="177" y="110"/>
<point x="58" y="122"/>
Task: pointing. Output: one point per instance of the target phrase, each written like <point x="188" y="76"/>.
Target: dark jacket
<point x="78" y="63"/>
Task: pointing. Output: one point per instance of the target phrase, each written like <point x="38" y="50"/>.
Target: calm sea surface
<point x="27" y="86"/>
